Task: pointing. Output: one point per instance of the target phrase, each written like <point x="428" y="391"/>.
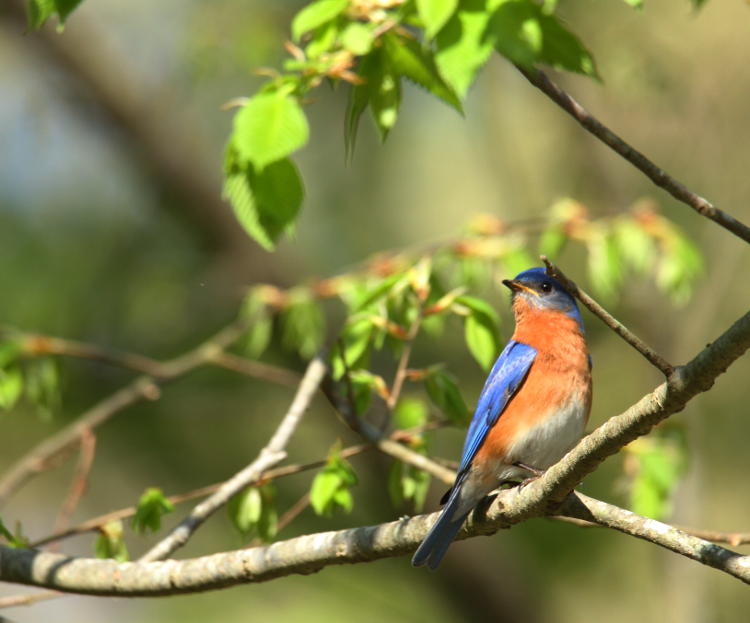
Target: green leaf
<point x="357" y="38"/>
<point x="268" y="128"/>
<point x="359" y="98"/>
<point x="42" y="380"/>
<point x="481" y="330"/>
<point x="10" y="349"/>
<point x="316" y="14"/>
<point x="525" y="34"/>
<point x="408" y="59"/>
<point x="39" y="11"/>
<point x="656" y="464"/>
<point x="604" y="264"/>
<point x="267" y="203"/>
<point x="444" y="393"/>
<point x="110" y="544"/>
<point x="11" y="386"/>
<point x="255" y="312"/>
<point x="303" y="325"/>
<point x="253" y="512"/>
<point x="152" y="505"/>
<point x="355" y="338"/>
<point x="323" y="40"/>
<point x="406" y="482"/>
<point x="462" y="47"/>
<point x="638" y="4"/>
<point x="330" y="487"/>
<point x="680" y="266"/>
<point x="552" y="240"/>
<point x="635" y="245"/>
<point x="384" y="96"/>
<point x="434" y="14"/>
<point x="410" y="413"/>
<point x="17" y="540"/>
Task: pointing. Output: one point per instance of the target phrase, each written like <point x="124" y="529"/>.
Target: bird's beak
<point x="515" y="286"/>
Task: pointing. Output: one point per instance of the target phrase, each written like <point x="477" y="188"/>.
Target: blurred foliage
<point x="152" y="506"/>
<point x="253" y="512"/>
<point x="110" y="542"/>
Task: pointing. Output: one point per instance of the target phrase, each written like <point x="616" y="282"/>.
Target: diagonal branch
<point x="273" y="452"/>
<point x="659" y="177"/>
<point x="626" y="334"/>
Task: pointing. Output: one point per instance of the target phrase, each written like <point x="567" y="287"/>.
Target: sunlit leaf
<point x="110" y="543"/>
<point x="357" y="38"/>
<point x="407" y="58"/>
<point x="330" y="487"/>
<point x="385" y="95"/>
<point x="410" y="413"/>
<point x="39" y="11"/>
<point x="316" y="14"/>
<point x="268" y="128"/>
<point x="462" y="47"/>
<point x="604" y="264"/>
<point x="636" y="246"/>
<point x="152" y="506"/>
<point x="434" y="14"/>
<point x="11" y="386"/>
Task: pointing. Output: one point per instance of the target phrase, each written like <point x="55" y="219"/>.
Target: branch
<point x="659" y="177"/>
<point x="626" y="334"/>
<point x="310" y="553"/>
<point x="273" y="452"/>
<point x="142" y="388"/>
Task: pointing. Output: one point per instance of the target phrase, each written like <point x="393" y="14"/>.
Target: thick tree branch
<point x="659" y="177"/>
<point x="310" y="553"/>
<point x="273" y="452"/>
<point x="142" y="388"/>
<point x="626" y="334"/>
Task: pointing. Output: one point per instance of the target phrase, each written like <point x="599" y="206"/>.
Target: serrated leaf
<point x="110" y="544"/>
<point x="316" y="14"/>
<point x="11" y="386"/>
<point x="268" y="128"/>
<point x="462" y="47"/>
<point x="410" y="413"/>
<point x="443" y="391"/>
<point x="434" y="14"/>
<point x="267" y="203"/>
<point x="359" y="98"/>
<point x="407" y="58"/>
<point x="525" y="34"/>
<point x="152" y="506"/>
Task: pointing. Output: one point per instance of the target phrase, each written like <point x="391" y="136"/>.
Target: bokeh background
<point x="112" y="231"/>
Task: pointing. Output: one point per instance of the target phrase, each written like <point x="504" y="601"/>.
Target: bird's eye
<point x="546" y="286"/>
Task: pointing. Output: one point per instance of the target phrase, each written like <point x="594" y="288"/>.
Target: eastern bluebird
<point x="532" y="410"/>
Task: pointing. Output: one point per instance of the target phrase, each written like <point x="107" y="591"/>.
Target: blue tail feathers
<point x="441" y="535"/>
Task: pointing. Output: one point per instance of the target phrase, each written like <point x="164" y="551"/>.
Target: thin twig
<point x="403" y="363"/>
<point x="294" y="511"/>
<point x="47" y="452"/>
<point x="272" y="453"/>
<point x="659" y="177"/>
<point x="626" y="334"/>
<point x="381" y="441"/>
<point x="80" y="480"/>
<point x="11" y="601"/>
<point x="256" y="369"/>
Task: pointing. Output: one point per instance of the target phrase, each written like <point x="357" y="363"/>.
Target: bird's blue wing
<point x="505" y="378"/>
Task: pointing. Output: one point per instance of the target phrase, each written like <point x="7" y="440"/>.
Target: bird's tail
<point x="442" y="533"/>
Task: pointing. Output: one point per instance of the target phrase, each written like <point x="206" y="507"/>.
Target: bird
<point x="533" y="408"/>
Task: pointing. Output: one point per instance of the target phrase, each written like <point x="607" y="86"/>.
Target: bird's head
<point x="536" y="289"/>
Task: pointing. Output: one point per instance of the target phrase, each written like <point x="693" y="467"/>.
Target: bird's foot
<point x="537" y="473"/>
